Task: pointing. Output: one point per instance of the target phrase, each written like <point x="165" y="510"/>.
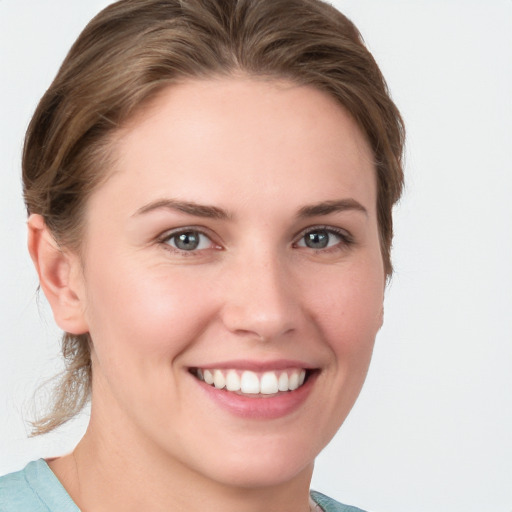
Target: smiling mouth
<point x="247" y="382"/>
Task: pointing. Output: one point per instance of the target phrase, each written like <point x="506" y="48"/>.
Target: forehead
<point x="250" y="136"/>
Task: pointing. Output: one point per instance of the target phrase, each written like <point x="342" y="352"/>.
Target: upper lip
<point x="256" y="366"/>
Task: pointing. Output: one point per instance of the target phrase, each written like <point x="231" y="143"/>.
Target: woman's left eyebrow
<point x="328" y="207"/>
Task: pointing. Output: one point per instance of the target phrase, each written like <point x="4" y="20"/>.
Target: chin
<point x="260" y="463"/>
<point x="257" y="475"/>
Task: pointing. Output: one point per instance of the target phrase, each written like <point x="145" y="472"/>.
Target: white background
<point x="432" y="430"/>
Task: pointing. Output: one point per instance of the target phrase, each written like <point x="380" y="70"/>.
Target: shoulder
<point x="34" y="489"/>
<point x="330" y="505"/>
<point x="17" y="494"/>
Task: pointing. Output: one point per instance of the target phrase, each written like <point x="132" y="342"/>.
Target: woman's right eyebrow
<point x="188" y="207"/>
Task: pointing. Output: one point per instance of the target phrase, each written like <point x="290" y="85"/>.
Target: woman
<point x="209" y="187"/>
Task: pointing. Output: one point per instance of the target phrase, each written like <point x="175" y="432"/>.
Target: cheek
<point x="137" y="316"/>
<point x="348" y="306"/>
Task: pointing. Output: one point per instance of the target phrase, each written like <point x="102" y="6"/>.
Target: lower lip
<point x="260" y="406"/>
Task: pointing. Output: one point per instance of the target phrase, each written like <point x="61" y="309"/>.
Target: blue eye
<point x="321" y="238"/>
<point x="189" y="241"/>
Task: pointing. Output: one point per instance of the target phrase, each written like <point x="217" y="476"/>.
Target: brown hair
<point x="132" y="50"/>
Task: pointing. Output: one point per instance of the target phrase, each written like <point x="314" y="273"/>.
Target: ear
<point x="60" y="276"/>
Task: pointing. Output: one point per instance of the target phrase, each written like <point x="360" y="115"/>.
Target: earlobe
<point x="58" y="272"/>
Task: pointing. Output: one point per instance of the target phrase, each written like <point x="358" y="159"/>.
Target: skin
<point x="261" y="151"/>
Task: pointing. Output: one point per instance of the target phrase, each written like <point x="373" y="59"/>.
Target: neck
<point x="101" y="476"/>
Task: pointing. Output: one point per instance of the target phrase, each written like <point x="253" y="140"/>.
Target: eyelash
<point x="165" y="239"/>
<point x="346" y="239"/>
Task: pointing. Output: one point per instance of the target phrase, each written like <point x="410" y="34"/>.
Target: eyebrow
<point x="188" y="207"/>
<point x="328" y="207"/>
<point x="214" y="212"/>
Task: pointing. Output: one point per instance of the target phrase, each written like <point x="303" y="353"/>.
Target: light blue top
<point x="37" y="489"/>
<point x="34" y="489"/>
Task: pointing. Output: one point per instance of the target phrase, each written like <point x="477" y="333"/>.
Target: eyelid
<point x="164" y="237"/>
<point x="345" y="235"/>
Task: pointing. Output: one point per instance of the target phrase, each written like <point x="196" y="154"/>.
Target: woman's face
<point x="235" y="240"/>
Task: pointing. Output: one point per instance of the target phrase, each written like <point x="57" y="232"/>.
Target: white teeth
<point x="293" y="383"/>
<point x="218" y="379"/>
<point x="250" y="383"/>
<point x="232" y="381"/>
<point x="283" y="382"/>
<point x="208" y="377"/>
<point x="269" y="383"/>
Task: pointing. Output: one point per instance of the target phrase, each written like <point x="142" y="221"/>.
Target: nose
<point x="261" y="299"/>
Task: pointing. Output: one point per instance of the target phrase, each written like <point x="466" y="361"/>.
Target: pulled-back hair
<point x="135" y="48"/>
